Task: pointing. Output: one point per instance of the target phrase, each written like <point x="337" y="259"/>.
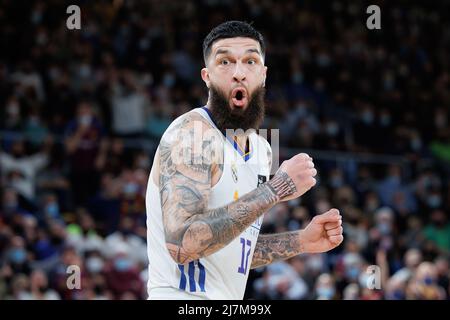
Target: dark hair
<point x="231" y="29"/>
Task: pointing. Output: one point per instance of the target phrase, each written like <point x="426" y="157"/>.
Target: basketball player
<point x="208" y="189"/>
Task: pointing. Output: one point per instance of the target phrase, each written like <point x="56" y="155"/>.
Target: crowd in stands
<point x="82" y="111"/>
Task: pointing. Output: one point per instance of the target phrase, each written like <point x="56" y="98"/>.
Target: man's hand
<point x="323" y="233"/>
<point x="294" y="177"/>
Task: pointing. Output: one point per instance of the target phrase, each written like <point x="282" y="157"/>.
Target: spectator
<point x="83" y="140"/>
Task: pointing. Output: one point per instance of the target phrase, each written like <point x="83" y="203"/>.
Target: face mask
<point x="52" y="210"/>
<point x="123" y="264"/>
<point x="85" y="120"/>
<point x="367" y="117"/>
<point x="389" y="83"/>
<point x="130" y="188"/>
<point x="98" y="289"/>
<point x="398" y="295"/>
<point x="43" y="289"/>
<point x="12" y="109"/>
<point x="434" y="201"/>
<point x="84" y="71"/>
<point x="94" y="264"/>
<point x="352" y="273"/>
<point x="126" y="232"/>
<point x="297" y="77"/>
<point x="336" y="182"/>
<point x="395" y="179"/>
<point x="416" y="144"/>
<point x="325" y="292"/>
<point x="294" y="203"/>
<point x="372" y="206"/>
<point x="384" y="228"/>
<point x="143" y="163"/>
<point x="10" y="207"/>
<point x="385" y="120"/>
<point x="169" y="80"/>
<point x="332" y="129"/>
<point x="440" y="122"/>
<point x="428" y="281"/>
<point x="33" y="121"/>
<point x="426" y="181"/>
<point x="301" y="110"/>
<point x="36" y="17"/>
<point x="18" y="256"/>
<point x="323" y="60"/>
<point x="315" y="264"/>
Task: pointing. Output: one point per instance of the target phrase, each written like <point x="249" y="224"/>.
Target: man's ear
<point x="205" y="76"/>
<point x="265" y="75"/>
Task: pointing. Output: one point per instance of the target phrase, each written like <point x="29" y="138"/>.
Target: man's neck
<point x="241" y="139"/>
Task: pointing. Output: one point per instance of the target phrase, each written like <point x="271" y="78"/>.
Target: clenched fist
<point x="294" y="177"/>
<point x="323" y="233"/>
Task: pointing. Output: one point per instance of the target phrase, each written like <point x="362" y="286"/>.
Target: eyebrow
<point x="224" y="51"/>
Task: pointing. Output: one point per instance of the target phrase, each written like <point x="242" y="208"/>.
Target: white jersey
<point x="223" y="274"/>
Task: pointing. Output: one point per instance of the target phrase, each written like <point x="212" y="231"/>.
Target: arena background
<point x="81" y="113"/>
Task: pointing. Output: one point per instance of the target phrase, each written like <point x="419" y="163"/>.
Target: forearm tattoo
<point x="191" y="229"/>
<point x="272" y="247"/>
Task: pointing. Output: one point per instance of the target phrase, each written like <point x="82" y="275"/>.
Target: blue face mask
<point x="123" y="264"/>
<point x="130" y="188"/>
<point x="398" y="295"/>
<point x="53" y="210"/>
<point x="325" y="292"/>
<point x="10" y="207"/>
<point x="385" y="120"/>
<point x="384" y="228"/>
<point x="336" y="182"/>
<point x="352" y="273"/>
<point x="428" y="281"/>
<point x="367" y="117"/>
<point x="434" y="201"/>
<point x="18" y="256"/>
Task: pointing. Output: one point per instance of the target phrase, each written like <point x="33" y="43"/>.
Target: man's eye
<point x="251" y="61"/>
<point x="224" y="62"/>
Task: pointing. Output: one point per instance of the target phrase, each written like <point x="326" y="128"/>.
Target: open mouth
<point x="239" y="97"/>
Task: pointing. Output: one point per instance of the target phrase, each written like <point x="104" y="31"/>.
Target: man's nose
<point x="239" y="74"/>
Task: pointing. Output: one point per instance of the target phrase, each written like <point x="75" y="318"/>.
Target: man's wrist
<point x="302" y="244"/>
<point x="282" y="185"/>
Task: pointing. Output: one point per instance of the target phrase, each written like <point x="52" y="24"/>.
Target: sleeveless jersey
<point x="223" y="274"/>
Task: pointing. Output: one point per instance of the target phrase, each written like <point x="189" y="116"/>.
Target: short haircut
<point x="231" y="29"/>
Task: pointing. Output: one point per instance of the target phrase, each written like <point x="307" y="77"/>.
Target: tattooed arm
<point x="272" y="247"/>
<point x="322" y="234"/>
<point x="189" y="154"/>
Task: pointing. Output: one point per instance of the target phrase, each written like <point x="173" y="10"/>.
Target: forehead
<point x="235" y="45"/>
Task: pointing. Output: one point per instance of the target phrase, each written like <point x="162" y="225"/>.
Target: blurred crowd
<point x="82" y="111"/>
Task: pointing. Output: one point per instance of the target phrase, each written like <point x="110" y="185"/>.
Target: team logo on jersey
<point x="261" y="179"/>
<point x="234" y="172"/>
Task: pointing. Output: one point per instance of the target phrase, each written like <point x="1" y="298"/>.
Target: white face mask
<point x="85" y="120"/>
<point x="13" y="109"/>
<point x="94" y="264"/>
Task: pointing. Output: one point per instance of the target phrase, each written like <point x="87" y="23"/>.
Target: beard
<point x="226" y="118"/>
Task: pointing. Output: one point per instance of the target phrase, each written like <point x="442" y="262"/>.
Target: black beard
<point x="226" y="118"/>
